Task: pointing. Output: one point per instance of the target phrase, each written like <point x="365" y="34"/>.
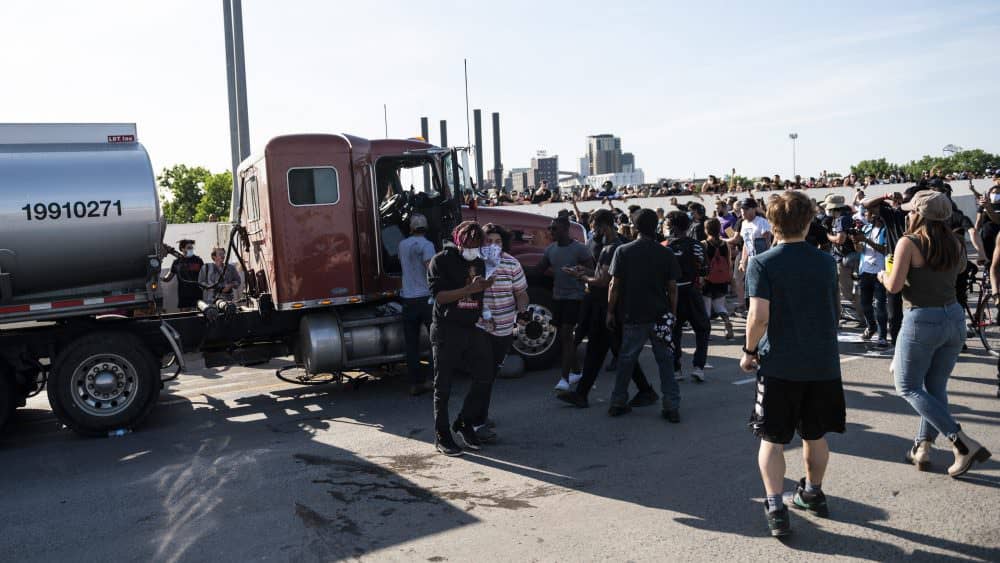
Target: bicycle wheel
<point x="988" y="325"/>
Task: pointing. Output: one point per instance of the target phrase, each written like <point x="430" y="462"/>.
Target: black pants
<point x="691" y="309"/>
<point x="895" y="303"/>
<point x="466" y="347"/>
<point x="499" y="345"/>
<point x="599" y="341"/>
<point x="417" y="312"/>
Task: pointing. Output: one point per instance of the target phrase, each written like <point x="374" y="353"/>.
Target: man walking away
<point x="644" y="289"/>
<point x="791" y="341"/>
<point x="690" y="306"/>
<point x="457" y="279"/>
<point x="415" y="254"/>
<point x="564" y="256"/>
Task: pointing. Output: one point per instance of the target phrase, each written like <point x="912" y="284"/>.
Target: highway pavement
<point x="236" y="465"/>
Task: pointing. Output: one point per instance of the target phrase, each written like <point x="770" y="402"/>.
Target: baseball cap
<point x="417" y="222"/>
<point x="931" y="205"/>
<point x="748" y="202"/>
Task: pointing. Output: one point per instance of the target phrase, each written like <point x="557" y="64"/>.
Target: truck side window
<point x="313" y="186"/>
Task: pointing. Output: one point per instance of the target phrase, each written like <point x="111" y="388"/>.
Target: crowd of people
<point x="791" y="265"/>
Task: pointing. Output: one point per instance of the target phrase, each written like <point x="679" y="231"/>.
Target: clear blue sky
<point x="690" y="87"/>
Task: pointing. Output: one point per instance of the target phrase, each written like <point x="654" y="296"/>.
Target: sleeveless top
<point x="925" y="287"/>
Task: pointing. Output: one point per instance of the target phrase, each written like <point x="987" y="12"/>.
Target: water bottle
<point x="119" y="433"/>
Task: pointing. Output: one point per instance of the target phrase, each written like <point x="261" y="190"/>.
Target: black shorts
<point x="783" y="407"/>
<point x="565" y="312"/>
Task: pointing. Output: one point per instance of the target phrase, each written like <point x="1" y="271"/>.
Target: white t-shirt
<point x="754" y="230"/>
<point x="872" y="262"/>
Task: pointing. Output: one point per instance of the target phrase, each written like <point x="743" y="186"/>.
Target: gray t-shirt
<point x="800" y="282"/>
<point x="414" y="253"/>
<point x="565" y="286"/>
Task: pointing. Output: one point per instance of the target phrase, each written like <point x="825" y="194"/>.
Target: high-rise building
<point x="519" y="179"/>
<point x="604" y="153"/>
<point x="628" y="162"/>
<point x="544" y="168"/>
<point x="584" y="167"/>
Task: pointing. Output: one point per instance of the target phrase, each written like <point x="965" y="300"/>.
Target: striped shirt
<point x="508" y="279"/>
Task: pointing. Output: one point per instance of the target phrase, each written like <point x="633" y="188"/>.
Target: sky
<point x="691" y="88"/>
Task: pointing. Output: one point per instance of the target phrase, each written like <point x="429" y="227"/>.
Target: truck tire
<point x="8" y="401"/>
<point x="104" y="382"/>
<point x="537" y="341"/>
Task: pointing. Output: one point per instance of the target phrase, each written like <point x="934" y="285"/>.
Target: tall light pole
<point x="793" y="136"/>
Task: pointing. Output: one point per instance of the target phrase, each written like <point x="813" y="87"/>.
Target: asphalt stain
<point x="314" y="520"/>
<point x="416" y="431"/>
<point x="592" y="467"/>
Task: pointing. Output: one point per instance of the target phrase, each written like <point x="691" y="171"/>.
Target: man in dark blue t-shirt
<point x="791" y="340"/>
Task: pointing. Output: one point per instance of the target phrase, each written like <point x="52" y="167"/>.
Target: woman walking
<point x="926" y="263"/>
<point x="720" y="273"/>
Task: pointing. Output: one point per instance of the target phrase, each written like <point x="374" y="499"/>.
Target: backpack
<point x="719" y="270"/>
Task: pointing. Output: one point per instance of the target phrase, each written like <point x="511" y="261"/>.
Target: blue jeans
<point x="634" y="337"/>
<point x="877" y="317"/>
<point x="926" y="351"/>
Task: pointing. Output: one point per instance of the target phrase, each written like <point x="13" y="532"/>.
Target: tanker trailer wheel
<point x="103" y="382"/>
<point x="537" y="340"/>
<point x="7" y="399"/>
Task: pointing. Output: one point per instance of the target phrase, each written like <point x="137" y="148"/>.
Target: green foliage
<point x="193" y="194"/>
<point x="877" y="168"/>
<point x="216" y="199"/>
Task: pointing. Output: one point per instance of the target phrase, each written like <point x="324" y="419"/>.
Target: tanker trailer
<point x="80" y="244"/>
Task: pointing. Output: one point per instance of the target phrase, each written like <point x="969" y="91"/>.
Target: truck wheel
<point x="7" y="398"/>
<point x="102" y="382"/>
<point x="536" y="340"/>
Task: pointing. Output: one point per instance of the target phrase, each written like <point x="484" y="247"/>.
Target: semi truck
<point x="316" y="221"/>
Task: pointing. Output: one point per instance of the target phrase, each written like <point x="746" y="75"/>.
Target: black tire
<point x="8" y="401"/>
<point x="538" y="341"/>
<point x="988" y="321"/>
<point x="120" y="372"/>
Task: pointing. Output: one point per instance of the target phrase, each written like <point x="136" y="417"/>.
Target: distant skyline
<point x="690" y="88"/>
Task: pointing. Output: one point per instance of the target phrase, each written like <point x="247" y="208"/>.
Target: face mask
<point x="189" y="252"/>
<point x="491" y="253"/>
<point x="470" y="254"/>
<point x="690" y="215"/>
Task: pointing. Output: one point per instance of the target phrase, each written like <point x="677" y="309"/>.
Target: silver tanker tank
<point x="79" y="212"/>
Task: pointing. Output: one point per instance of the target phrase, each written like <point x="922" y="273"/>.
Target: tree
<point x="185" y="186"/>
<point x="217" y="198"/>
<point x="878" y="168"/>
<point x="975" y="160"/>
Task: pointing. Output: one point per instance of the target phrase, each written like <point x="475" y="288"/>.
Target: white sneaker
<point x="575" y="378"/>
<point x="563" y="385"/>
<point x="698" y="374"/>
<point x="679" y="375"/>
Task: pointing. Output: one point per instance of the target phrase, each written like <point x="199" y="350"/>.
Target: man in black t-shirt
<point x="599" y="337"/>
<point x="456" y="277"/>
<point x="690" y="256"/>
<point x="643" y="289"/>
<point x="186" y="269"/>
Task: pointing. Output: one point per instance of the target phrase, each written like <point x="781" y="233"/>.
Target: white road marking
<point x="744" y="381"/>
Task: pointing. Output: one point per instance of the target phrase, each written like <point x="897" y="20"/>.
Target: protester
<point x="643" y="290"/>
<point x="872" y="239"/>
<point x="893" y="220"/>
<point x="844" y="252"/>
<point x="217" y="279"/>
<point x="600" y="338"/>
<point x="720" y="273"/>
<point x="502" y="302"/>
<point x="543" y="194"/>
<point x="415" y="254"/>
<point x="690" y="305"/>
<point x="187" y="269"/>
<point x="564" y="256"/>
<point x="756" y="234"/>
<point x="791" y="340"/>
<point x="457" y="279"/>
<point x="926" y="264"/>
<point x="696" y="212"/>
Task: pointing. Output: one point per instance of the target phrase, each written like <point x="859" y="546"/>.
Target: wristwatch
<point x="750" y="352"/>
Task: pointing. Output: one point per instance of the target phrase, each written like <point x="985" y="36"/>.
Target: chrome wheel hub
<point x="104" y="384"/>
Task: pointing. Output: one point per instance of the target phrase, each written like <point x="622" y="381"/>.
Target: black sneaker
<point x="446" y="445"/>
<point x="467" y="435"/>
<point x="573" y="398"/>
<point x="490" y="423"/>
<point x="814" y="503"/>
<point x="777" y="521"/>
<point x="644" y="399"/>
<point x="672" y="415"/>
<point x="486" y="435"/>
<point x="618" y="410"/>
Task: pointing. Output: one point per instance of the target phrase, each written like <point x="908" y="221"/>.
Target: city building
<point x="618" y="179"/>
<point x="604" y="153"/>
<point x="628" y="162"/>
<point x="519" y="179"/>
<point x="584" y="167"/>
<point x="544" y="168"/>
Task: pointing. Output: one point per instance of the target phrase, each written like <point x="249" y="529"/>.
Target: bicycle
<point x="985" y="322"/>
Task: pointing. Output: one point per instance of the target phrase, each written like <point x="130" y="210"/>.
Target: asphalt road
<point x="235" y="465"/>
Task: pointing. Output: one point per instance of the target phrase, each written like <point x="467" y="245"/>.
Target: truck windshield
<point x="407" y="174"/>
<point x="455" y="185"/>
